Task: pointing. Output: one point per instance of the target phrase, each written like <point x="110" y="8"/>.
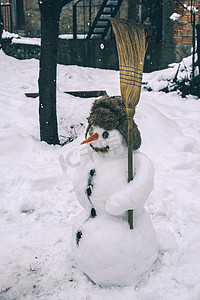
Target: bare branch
<point x="181" y="4"/>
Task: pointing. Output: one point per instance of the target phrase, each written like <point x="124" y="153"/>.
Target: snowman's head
<point x="108" y="122"/>
<point x="105" y="141"/>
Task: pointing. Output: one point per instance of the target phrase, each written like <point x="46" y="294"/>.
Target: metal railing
<point x="84" y="12"/>
<point x="7" y="16"/>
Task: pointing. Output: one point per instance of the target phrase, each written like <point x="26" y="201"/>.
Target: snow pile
<point x="17" y="39"/>
<point x="175" y="17"/>
<point x="9" y="35"/>
<point x="191" y="8"/>
<point x="168" y="79"/>
<point x="26" y="40"/>
<point x="38" y="206"/>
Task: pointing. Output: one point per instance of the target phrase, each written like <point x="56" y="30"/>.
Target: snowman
<point x="104" y="247"/>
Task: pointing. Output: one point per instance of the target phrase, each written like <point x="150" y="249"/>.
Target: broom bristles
<point x="131" y="46"/>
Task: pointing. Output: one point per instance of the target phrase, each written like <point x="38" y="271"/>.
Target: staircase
<point x="101" y="24"/>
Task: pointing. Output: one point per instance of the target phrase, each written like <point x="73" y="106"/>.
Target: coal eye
<point x="105" y="134"/>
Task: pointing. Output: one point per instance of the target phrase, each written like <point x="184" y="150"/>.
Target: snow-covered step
<point x="96" y="36"/>
<point x="102" y="23"/>
<point x="105" y="17"/>
<point x="107" y="10"/>
<point x="99" y="30"/>
<point x="112" y="2"/>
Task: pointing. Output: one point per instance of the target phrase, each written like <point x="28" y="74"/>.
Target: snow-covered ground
<point x="37" y="201"/>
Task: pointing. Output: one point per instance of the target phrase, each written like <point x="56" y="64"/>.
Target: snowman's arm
<point x="135" y="193"/>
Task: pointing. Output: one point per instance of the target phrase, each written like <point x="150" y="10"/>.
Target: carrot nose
<point x="91" y="138"/>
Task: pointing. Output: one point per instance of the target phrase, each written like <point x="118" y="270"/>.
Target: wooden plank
<point x="86" y="94"/>
<point x="32" y="95"/>
<point x="81" y="94"/>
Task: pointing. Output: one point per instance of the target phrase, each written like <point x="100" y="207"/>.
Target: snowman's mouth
<point x="102" y="150"/>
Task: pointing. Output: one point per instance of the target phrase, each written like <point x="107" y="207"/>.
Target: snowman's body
<point x="104" y="246"/>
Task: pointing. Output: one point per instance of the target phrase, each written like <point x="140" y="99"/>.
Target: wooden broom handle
<point x="130" y="163"/>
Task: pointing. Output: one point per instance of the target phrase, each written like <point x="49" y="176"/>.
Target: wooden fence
<point x="7" y="16"/>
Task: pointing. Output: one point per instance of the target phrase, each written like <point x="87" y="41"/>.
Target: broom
<point x="131" y="46"/>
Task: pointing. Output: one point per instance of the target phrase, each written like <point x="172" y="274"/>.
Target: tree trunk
<point x="47" y="77"/>
<point x="1" y="25"/>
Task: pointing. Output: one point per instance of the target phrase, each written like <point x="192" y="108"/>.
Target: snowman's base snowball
<point x="109" y="252"/>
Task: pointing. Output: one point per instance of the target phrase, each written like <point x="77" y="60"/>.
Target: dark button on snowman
<point x="104" y="247"/>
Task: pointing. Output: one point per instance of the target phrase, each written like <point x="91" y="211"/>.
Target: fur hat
<point x="110" y="113"/>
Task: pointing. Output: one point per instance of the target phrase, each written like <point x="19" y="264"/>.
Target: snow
<point x="26" y="40"/>
<point x="159" y="80"/>
<point x="193" y="9"/>
<point x="7" y="34"/>
<point x="37" y="41"/>
<point x="175" y="17"/>
<point x="16" y="39"/>
<point x="38" y="205"/>
<point x="70" y="36"/>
